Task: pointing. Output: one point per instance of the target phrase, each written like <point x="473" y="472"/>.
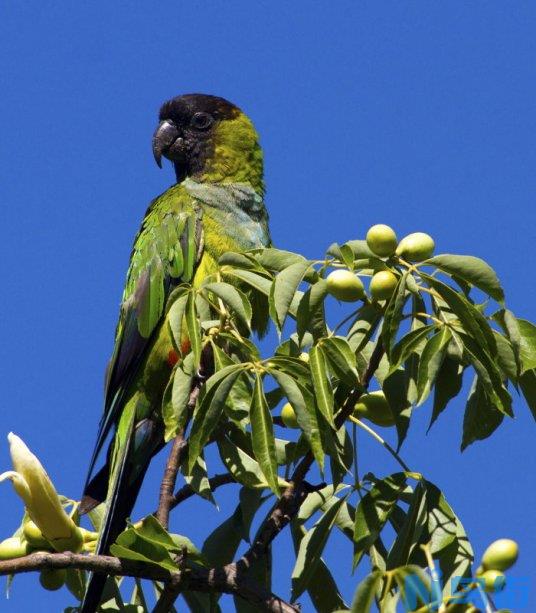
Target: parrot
<point x="215" y="206"/>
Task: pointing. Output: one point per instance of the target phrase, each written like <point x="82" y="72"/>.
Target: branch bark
<point x="200" y="580"/>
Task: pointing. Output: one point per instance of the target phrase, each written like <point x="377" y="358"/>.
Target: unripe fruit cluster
<point x="346" y="286"/>
<point x="498" y="557"/>
<point x="374" y="407"/>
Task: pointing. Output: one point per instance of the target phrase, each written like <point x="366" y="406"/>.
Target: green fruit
<point x="416" y="247"/>
<point x="289" y="416"/>
<point x="345" y="286"/>
<point x="500" y="555"/>
<point x="494" y="580"/>
<point x="381" y="240"/>
<point x="34" y="536"/>
<point x="13" y="548"/>
<point x="383" y="284"/>
<point x="375" y="408"/>
<point x="52" y="579"/>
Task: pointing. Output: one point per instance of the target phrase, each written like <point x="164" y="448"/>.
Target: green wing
<point x="165" y="253"/>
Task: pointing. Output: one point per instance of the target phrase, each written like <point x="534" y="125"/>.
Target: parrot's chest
<point x="234" y="217"/>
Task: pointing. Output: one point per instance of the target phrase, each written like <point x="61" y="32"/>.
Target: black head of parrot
<point x="185" y="134"/>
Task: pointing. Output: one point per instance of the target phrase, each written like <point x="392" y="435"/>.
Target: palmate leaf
<point x="365" y="324"/>
<point x="311" y="548"/>
<point x="322" y="588"/>
<point x="489" y="374"/>
<point x="527" y="382"/>
<point x="472" y="320"/>
<point x="395" y="388"/>
<point x="262" y="435"/>
<point x="210" y="409"/>
<point x="321" y="383"/>
<point x="310" y="312"/>
<point x="393" y="314"/>
<point x="472" y="270"/>
<point x="283" y="291"/>
<point x="409" y="535"/>
<point x="430" y="362"/>
<point x="374" y="510"/>
<point x="366" y="592"/>
<point x="176" y="396"/>
<point x="447" y="386"/>
<point x="193" y="326"/>
<point x="303" y="403"/>
<point x="481" y="417"/>
<point x="341" y="359"/>
<point x="527" y="332"/>
<point x="409" y="343"/>
<point x="244" y="468"/>
<point x="234" y="299"/>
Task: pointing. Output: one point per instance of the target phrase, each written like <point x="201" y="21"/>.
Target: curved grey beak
<point x="164" y="137"/>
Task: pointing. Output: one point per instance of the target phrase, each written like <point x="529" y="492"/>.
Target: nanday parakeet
<point x="216" y="206"/>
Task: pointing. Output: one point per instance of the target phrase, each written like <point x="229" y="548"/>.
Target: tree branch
<point x="288" y="505"/>
<point x="175" y="458"/>
<point x="186" y="491"/>
<point x="169" y="479"/>
<point x="199" y="580"/>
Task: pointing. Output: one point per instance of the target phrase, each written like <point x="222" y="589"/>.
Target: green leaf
<point x="176" y="317"/>
<point x="210" y="409"/>
<point x="489" y="374"/>
<point x="366" y="592"/>
<point x="506" y="358"/>
<point x="321" y="383"/>
<point x="361" y="331"/>
<point x="415" y="586"/>
<point x="527" y="382"/>
<point x="472" y="270"/>
<point x="374" y="510"/>
<point x="240" y="464"/>
<point x="221" y="544"/>
<point x="360" y="249"/>
<point x="262" y="435"/>
<point x="322" y="588"/>
<point x="481" y="417"/>
<point x="235" y="299"/>
<point x="393" y="314"/>
<point x="341" y="359"/>
<point x="310" y="313"/>
<point x="472" y="320"/>
<point x="311" y="548"/>
<point x="527" y="331"/>
<point x="176" y="396"/>
<point x="395" y="388"/>
<point x="409" y="343"/>
<point x="283" y="289"/>
<point x="430" y="362"/>
<point x="254" y="280"/>
<point x="193" y="326"/>
<point x="278" y="259"/>
<point x="448" y="385"/>
<point x="408" y="537"/>
<point x="302" y="402"/>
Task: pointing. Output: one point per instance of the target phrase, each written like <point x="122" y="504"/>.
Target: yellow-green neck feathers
<point x="237" y="156"/>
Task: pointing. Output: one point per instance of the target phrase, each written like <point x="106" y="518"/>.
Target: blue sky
<point x="416" y="114"/>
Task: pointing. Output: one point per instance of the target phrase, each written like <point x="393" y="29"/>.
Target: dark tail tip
<point x="93" y="593"/>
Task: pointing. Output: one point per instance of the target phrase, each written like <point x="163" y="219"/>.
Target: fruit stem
<point x="382" y="441"/>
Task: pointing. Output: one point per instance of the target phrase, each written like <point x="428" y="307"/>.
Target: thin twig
<point x="187" y="491"/>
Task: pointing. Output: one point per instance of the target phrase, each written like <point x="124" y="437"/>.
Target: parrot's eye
<point x="202" y="121"/>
